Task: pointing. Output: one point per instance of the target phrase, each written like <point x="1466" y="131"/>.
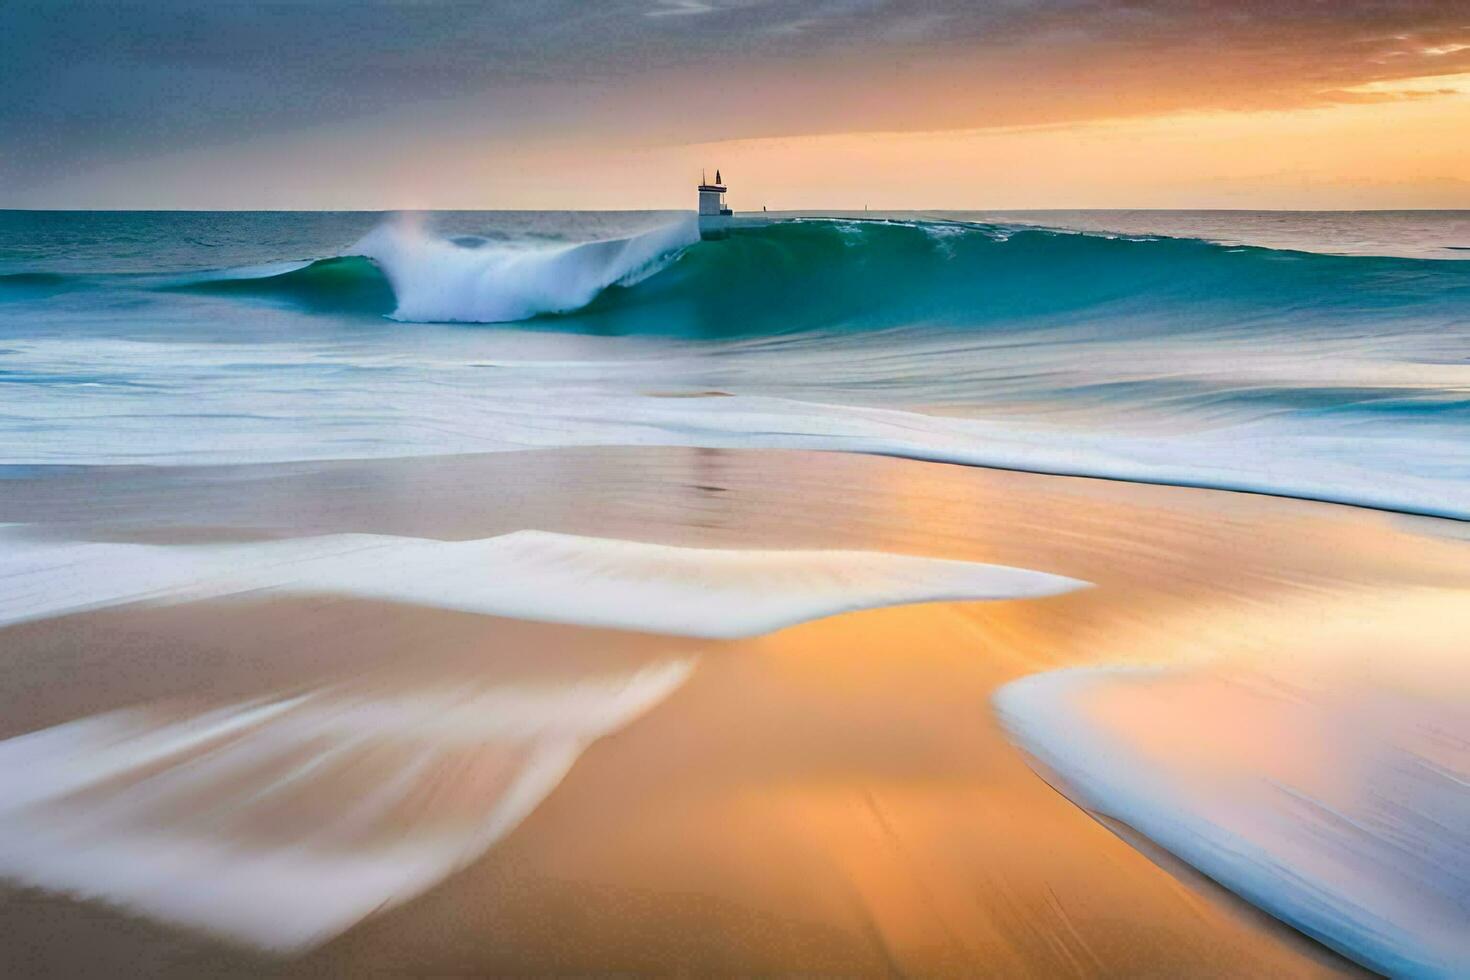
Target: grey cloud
<point x="89" y="80"/>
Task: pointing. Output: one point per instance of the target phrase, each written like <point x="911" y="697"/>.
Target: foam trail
<point x="565" y="402"/>
<point x="232" y="820"/>
<point x="435" y="280"/>
<point x="281" y="822"/>
<point x="1327" y="784"/>
<point x="1343" y="465"/>
<point x="536" y="575"/>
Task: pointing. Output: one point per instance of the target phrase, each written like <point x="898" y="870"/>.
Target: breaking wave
<point x="824" y="274"/>
<point x="440" y="280"/>
<point x="403" y="271"/>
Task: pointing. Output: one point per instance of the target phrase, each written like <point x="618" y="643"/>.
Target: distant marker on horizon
<point x="712" y="197"/>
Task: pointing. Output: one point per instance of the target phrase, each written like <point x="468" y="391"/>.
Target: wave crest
<point x="439" y="280"/>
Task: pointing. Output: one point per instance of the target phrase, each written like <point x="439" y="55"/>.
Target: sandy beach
<point x="837" y="796"/>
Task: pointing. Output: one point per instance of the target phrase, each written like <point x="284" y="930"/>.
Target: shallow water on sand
<point x="837" y="788"/>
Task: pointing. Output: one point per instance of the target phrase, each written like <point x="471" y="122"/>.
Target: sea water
<point x="1303" y="354"/>
<point x="225" y="337"/>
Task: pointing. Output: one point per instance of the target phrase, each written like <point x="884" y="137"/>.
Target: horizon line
<point x="794" y="211"/>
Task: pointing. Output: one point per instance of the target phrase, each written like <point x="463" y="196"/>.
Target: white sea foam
<point x="540" y="390"/>
<point x="281" y="822"/>
<point x="256" y="821"/>
<point x="435" y="280"/>
<point x="702" y="592"/>
<point x="1328" y="786"/>
<point x="1345" y="464"/>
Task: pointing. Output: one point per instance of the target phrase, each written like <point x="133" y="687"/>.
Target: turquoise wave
<point x="802" y="276"/>
<point x="345" y="284"/>
<point x="821" y="275"/>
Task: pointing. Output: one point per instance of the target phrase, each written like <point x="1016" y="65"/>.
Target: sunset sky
<point x="822" y="104"/>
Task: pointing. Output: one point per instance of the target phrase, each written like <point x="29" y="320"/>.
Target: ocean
<point x="1318" y="355"/>
<point x="227" y="675"/>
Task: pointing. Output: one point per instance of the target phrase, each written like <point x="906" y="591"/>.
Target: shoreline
<point x="835" y="795"/>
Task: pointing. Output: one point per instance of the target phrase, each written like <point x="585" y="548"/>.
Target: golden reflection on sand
<point x="832" y="797"/>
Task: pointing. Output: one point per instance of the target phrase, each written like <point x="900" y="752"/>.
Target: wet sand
<point x="832" y="797"/>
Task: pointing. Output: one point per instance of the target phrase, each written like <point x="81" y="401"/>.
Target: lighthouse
<point x="712" y="197"/>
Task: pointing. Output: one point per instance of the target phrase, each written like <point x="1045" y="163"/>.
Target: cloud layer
<point x="92" y="84"/>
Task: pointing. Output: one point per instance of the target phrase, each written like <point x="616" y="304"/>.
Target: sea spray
<point x="440" y="280"/>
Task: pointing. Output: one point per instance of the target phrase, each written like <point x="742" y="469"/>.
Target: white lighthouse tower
<point x="712" y="197"/>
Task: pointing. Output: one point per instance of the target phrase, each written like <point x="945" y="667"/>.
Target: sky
<point x="378" y="104"/>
